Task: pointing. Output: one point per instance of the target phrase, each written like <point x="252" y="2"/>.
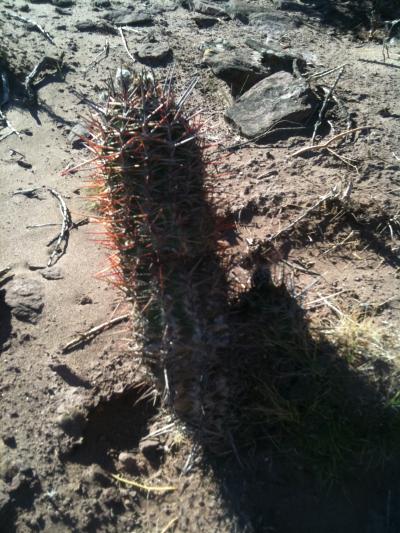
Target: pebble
<point x="52" y="273"/>
<point x="154" y="52"/>
<point x="25" y="297"/>
<point x="63" y="3"/>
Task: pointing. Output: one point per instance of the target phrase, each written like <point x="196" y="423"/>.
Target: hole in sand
<point x="114" y="425"/>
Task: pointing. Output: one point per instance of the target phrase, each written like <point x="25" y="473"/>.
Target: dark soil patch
<point x="114" y="425"/>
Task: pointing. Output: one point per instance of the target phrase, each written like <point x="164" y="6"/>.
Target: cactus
<point x="151" y="169"/>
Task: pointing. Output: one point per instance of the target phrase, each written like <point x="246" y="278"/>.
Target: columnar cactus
<point x="151" y="170"/>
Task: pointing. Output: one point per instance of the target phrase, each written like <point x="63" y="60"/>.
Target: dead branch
<point x="120" y="31"/>
<point x="100" y="57"/>
<point x="45" y="63"/>
<point x="74" y="225"/>
<point x="324" y="73"/>
<point x="327" y="144"/>
<point x="63" y="237"/>
<point x="29" y="193"/>
<point x="45" y="33"/>
<point x="337" y="192"/>
<point x="339" y="244"/>
<point x="325" y="103"/>
<point x="89" y="335"/>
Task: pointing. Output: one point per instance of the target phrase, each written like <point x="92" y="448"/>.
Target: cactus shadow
<point x="313" y="440"/>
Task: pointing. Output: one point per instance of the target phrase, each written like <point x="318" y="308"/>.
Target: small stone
<point x="130" y="18"/>
<point x="275" y="22"/>
<point x="99" y="26"/>
<point x="102" y="3"/>
<point x="123" y="78"/>
<point x="208" y="8"/>
<point x="25" y="297"/>
<point x="63" y="3"/>
<point x="52" y="273"/>
<point x="204" y="21"/>
<point x="274" y="56"/>
<point x="77" y="136"/>
<point x="240" y="68"/>
<point x="278" y="98"/>
<point x="154" y="52"/>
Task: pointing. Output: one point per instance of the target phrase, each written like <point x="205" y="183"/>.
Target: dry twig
<point x="170" y="524"/>
<point x="147" y="488"/>
<point x="100" y="57"/>
<point x="327" y="144"/>
<point x="63" y="237"/>
<point x="120" y="31"/>
<point x="45" y="33"/>
<point x="45" y="63"/>
<point x="325" y="103"/>
<point x="335" y="192"/>
<point x="87" y="336"/>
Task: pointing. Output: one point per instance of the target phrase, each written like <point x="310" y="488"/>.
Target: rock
<point x="287" y="5"/>
<point x="76" y="137"/>
<point x="52" y="273"/>
<point x="273" y="22"/>
<point x="99" y="26"/>
<point x="130" y="18"/>
<point x="123" y="78"/>
<point x="63" y="3"/>
<point x="208" y="8"/>
<point x="102" y="3"/>
<point x="278" y="98"/>
<point x="205" y="22"/>
<point x="128" y="463"/>
<point x="154" y="53"/>
<point x="25" y="297"/>
<point x="240" y="68"/>
<point x="275" y="57"/>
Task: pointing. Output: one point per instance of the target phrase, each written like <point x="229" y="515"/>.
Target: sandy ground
<point x="66" y="418"/>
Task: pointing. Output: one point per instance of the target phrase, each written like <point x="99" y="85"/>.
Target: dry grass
<point x="360" y="338"/>
<point x="326" y="398"/>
